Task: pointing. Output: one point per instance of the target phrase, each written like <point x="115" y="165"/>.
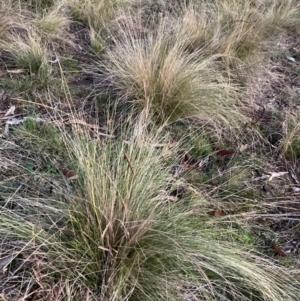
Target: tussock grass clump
<point x="96" y="17"/>
<point x="236" y="30"/>
<point x="193" y="61"/>
<point x="28" y="52"/>
<point x="117" y="235"/>
<point x="13" y="20"/>
<point x="52" y="23"/>
<point x="157" y="73"/>
<point x="96" y="14"/>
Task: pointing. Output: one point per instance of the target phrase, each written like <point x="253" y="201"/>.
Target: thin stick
<point x="128" y="161"/>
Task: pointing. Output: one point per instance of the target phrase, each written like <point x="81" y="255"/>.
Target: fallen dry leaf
<point x="218" y="213"/>
<point x="243" y="147"/>
<point x="16" y="71"/>
<point x="5" y="261"/>
<point x="296" y="189"/>
<point x="278" y="250"/>
<point x="203" y="162"/>
<point x="187" y="158"/>
<point x="56" y="60"/>
<point x="171" y="198"/>
<point x="15" y="121"/>
<point x="225" y="153"/>
<point x="10" y="111"/>
<point x="290" y="58"/>
<point x="188" y="162"/>
<point x="294" y="176"/>
<point x="69" y="174"/>
<point x="1" y="73"/>
<point x="270" y="176"/>
<point x="262" y="177"/>
<point x="277" y="174"/>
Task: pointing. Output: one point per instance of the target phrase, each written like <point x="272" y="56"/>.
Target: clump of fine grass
<point x="53" y="22"/>
<point x="13" y="19"/>
<point x="117" y="235"/>
<point x="236" y="30"/>
<point x="156" y="72"/>
<point x="96" y="14"/>
<point x="190" y="63"/>
<point x="28" y="52"/>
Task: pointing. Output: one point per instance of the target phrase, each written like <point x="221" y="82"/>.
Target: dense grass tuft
<point x="118" y="233"/>
<point x="157" y="73"/>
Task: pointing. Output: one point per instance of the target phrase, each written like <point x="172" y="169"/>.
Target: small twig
<point x="9" y="117"/>
<point x="278" y="250"/>
<point x="128" y="161"/>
